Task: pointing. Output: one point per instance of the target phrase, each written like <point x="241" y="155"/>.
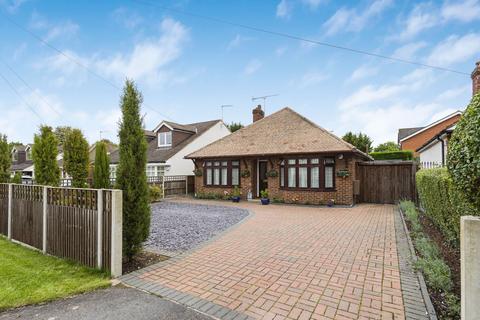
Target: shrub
<point x="436" y="272"/>
<point x="5" y="159"/>
<point x="387" y="146"/>
<point x="155" y="193"/>
<point x="464" y="153"/>
<point x="392" y="155"/>
<point x="209" y="195"/>
<point x="443" y="203"/>
<point x="17" y="178"/>
<point x="101" y="170"/>
<point x="426" y="248"/>
<point x="75" y="157"/>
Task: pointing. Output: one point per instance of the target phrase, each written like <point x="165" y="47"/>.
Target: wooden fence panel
<point x="386" y="181"/>
<point x="107" y="230"/>
<point x="27" y="215"/>
<point x="4" y="209"/>
<point x="72" y="224"/>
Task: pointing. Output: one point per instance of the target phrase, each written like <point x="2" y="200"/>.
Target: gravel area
<point x="178" y="227"/>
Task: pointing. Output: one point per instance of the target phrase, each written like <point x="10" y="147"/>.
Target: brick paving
<point x="290" y="262"/>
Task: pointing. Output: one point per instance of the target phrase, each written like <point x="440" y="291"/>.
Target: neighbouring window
<point x="165" y="139"/>
<point x="113" y="172"/>
<point x="307" y="173"/>
<point x="222" y="173"/>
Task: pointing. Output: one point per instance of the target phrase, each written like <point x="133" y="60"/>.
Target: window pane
<point x="302" y="161"/>
<point x="235" y="163"/>
<point x="282" y="163"/>
<point x="216" y="163"/>
<point x="329" y="161"/>
<point x="161" y="138"/>
<point x="314" y="161"/>
<point x="209" y="164"/>
<point x="314" y="178"/>
<point x="216" y="176"/>
<point x="302" y="177"/>
<point x="224" y="176"/>
<point x="224" y="163"/>
<point x="282" y="176"/>
<point x="328" y="177"/>
<point x="235" y="176"/>
<point x="209" y="176"/>
<point x="291" y="161"/>
<point x="292" y="183"/>
<point x="168" y="137"/>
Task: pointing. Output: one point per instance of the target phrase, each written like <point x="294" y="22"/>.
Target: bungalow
<point x="292" y="157"/>
<point x="170" y="142"/>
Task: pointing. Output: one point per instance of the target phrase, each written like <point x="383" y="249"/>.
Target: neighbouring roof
<point x="283" y="132"/>
<point x="421" y="129"/>
<point x="21" y="166"/>
<point x="405" y="132"/>
<point x="158" y="155"/>
<point x="434" y="140"/>
<point x="149" y="133"/>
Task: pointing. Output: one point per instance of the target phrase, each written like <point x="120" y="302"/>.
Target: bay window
<point x="222" y="173"/>
<point x="307" y="173"/>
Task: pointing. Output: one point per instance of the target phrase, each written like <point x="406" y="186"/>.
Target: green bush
<point x="155" y="193"/>
<point x="436" y="272"/>
<point x="17" y="178"/>
<point x="443" y="203"/>
<point x="392" y="155"/>
<point x="209" y="195"/>
<point x="426" y="248"/>
<point x="464" y="153"/>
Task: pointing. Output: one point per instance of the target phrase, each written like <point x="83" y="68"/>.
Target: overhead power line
<point x="299" y="38"/>
<point x="21" y="97"/>
<point x="74" y="60"/>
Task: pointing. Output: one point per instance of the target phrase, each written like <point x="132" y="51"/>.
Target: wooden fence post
<point x="117" y="238"/>
<point x="470" y="266"/>
<point x="10" y="198"/>
<point x="99" y="227"/>
<point x="44" y="220"/>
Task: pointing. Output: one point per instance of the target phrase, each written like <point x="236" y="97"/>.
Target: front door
<point x="262" y="177"/>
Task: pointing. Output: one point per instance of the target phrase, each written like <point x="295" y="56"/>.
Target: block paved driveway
<point x="289" y="262"/>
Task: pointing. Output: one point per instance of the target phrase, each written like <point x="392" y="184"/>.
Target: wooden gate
<point x="386" y="181"/>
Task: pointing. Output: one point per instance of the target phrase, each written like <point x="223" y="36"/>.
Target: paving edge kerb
<point x="415" y="294"/>
<point x="196" y="303"/>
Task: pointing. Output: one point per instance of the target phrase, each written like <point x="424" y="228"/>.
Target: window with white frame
<point x="165" y="139"/>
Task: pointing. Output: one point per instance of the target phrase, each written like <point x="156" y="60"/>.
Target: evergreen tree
<point x="5" y="159"/>
<point x="61" y="133"/>
<point x="387" y="146"/>
<point x="101" y="171"/>
<point x="44" y="153"/>
<point x="131" y="174"/>
<point x="75" y="157"/>
<point x="361" y="141"/>
<point x="17" y="178"/>
<point x="234" y="126"/>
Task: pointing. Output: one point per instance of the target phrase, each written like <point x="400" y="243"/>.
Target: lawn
<point x="28" y="276"/>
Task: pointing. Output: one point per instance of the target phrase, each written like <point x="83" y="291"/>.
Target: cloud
<point x="352" y="20"/>
<point x="454" y="93"/>
<point x="284" y="9"/>
<point x="12" y="5"/>
<point x="422" y="17"/>
<point x="252" y="67"/>
<point x="150" y="57"/>
<point x="409" y="50"/>
<point x="362" y="72"/>
<point x="237" y="41"/>
<point x="455" y="49"/>
<point x="66" y="71"/>
<point x="64" y="29"/>
<point x="313" y="4"/>
<point x="465" y="11"/>
<point x="127" y="18"/>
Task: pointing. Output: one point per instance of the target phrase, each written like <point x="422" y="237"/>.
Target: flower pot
<point x="330" y="203"/>
<point x="236" y="199"/>
<point x="265" y="201"/>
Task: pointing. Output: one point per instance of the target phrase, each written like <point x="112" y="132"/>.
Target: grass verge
<point x="432" y="265"/>
<point x="28" y="277"/>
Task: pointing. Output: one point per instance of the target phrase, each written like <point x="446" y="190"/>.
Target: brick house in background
<point x="296" y="160"/>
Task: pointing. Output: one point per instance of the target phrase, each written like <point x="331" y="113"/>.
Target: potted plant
<point x="264" y="197"/>
<point x="198" y="172"/>
<point x="272" y="173"/>
<point x="245" y="173"/>
<point x="331" y="202"/>
<point x="236" y="194"/>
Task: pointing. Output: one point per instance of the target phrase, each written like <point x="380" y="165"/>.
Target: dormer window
<point x="165" y="139"/>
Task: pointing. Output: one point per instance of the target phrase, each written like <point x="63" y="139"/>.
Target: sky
<point x="65" y="62"/>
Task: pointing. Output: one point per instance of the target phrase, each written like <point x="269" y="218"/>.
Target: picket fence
<point x="83" y="225"/>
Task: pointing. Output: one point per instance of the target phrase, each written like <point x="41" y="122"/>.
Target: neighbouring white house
<point x="434" y="152"/>
<point x="170" y="142"/>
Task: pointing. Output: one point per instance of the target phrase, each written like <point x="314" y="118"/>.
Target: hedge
<point x="393" y="155"/>
<point x="443" y="203"/>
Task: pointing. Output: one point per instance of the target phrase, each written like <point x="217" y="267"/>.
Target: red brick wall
<point x="343" y="193"/>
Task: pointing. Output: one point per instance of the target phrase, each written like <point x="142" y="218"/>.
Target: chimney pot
<point x="476" y="79"/>
<point x="258" y="113"/>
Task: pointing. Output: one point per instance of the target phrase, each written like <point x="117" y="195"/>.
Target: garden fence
<point x="83" y="225"/>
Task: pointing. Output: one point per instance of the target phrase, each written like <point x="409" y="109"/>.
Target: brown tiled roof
<point x="158" y="155"/>
<point x="284" y="132"/>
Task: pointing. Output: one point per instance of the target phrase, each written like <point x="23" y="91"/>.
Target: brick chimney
<point x="476" y="79"/>
<point x="258" y="113"/>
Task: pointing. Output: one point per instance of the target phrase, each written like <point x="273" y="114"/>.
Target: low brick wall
<point x="343" y="193"/>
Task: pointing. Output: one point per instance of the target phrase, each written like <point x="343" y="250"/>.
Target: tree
<point x="101" y="171"/>
<point x="234" y="126"/>
<point x="5" y="159"/>
<point x="463" y="157"/>
<point x="17" y="178"/>
<point x="387" y="146"/>
<point x="61" y="133"/>
<point x="131" y="172"/>
<point x="75" y="157"/>
<point x="361" y="141"/>
<point x="44" y="153"/>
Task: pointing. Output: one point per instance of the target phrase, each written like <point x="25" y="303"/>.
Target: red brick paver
<point x="294" y="262"/>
